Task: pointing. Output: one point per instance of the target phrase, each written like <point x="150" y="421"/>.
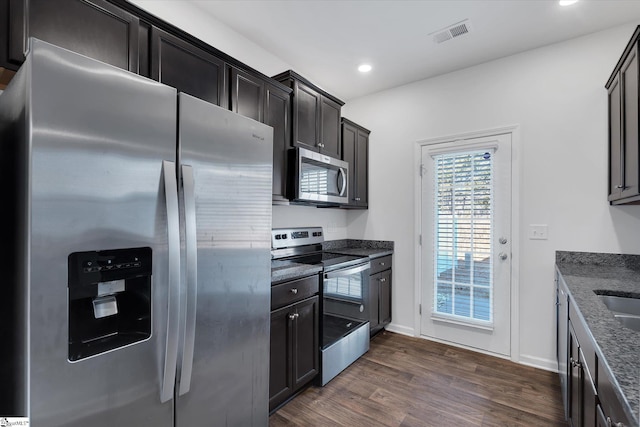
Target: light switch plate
<point x="538" y="231"/>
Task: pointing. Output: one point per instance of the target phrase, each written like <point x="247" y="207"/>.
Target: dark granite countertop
<point x="618" y="346"/>
<point x="369" y="248"/>
<point x="283" y="271"/>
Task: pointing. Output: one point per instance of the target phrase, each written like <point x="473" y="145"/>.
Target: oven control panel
<point x="291" y="237"/>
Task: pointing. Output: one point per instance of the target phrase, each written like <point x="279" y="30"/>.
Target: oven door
<point x="346" y="292"/>
<point x="345" y="319"/>
<point x="320" y="178"/>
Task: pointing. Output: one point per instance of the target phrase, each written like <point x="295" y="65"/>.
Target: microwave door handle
<point x="343" y="180"/>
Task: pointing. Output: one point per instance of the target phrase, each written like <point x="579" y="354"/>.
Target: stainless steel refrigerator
<point x="136" y="257"/>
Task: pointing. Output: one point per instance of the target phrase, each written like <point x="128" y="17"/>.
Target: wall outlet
<point x="538" y="231"/>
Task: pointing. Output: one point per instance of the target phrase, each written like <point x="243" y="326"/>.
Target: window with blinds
<point x="463" y="234"/>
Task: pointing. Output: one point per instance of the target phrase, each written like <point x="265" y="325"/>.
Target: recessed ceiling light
<point x="364" y="68"/>
<point x="567" y="2"/>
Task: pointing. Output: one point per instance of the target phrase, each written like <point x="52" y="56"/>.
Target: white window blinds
<point x="463" y="234"/>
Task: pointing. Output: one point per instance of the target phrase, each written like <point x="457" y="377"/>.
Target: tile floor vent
<point x="451" y="32"/>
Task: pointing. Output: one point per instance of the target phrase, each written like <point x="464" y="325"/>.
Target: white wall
<point x="557" y="97"/>
<point x="208" y="29"/>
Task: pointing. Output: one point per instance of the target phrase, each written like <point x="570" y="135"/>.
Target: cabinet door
<point x="575" y="381"/>
<point x="247" y="95"/>
<point x="187" y="67"/>
<point x="384" y="302"/>
<point x="306" y="110"/>
<point x="94" y="28"/>
<point x="280" y="381"/>
<point x="562" y="335"/>
<point x="629" y="87"/>
<point x="588" y="395"/>
<point x="601" y="419"/>
<point x="615" y="141"/>
<point x="306" y="349"/>
<point x="374" y="304"/>
<point x="349" y="136"/>
<point x="330" y="128"/>
<point x="362" y="169"/>
<point x="276" y="115"/>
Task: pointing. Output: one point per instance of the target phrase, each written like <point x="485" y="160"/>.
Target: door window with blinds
<point x="463" y="223"/>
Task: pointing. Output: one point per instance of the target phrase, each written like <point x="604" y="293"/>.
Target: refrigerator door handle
<point x="173" y="304"/>
<point x="191" y="248"/>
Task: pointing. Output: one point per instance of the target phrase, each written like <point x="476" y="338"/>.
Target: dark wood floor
<point x="405" y="381"/>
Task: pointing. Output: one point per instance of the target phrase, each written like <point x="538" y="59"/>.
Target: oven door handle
<point x="348" y="271"/>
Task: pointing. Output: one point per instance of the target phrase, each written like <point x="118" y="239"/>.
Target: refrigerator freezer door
<point x="98" y="138"/>
<point x="231" y="160"/>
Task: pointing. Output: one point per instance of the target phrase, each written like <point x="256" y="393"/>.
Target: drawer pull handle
<point x="293" y="316"/>
<point x="382" y="264"/>
<point x="294" y="291"/>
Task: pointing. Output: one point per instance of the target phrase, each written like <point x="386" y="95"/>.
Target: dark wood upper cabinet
<point x="247" y="95"/>
<point x="624" y="150"/>
<point x="330" y="127"/>
<point x="277" y="115"/>
<point x="266" y="101"/>
<point x="355" y="151"/>
<point x="94" y="28"/>
<point x="315" y="116"/>
<point x="187" y="67"/>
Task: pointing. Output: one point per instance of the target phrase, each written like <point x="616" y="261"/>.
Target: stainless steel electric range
<point x="344" y="326"/>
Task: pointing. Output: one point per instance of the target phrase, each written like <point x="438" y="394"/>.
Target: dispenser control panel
<point x="109" y="300"/>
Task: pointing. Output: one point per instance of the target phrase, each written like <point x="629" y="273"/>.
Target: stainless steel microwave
<point x="317" y="178"/>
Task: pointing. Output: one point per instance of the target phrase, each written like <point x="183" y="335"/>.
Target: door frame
<point x="514" y="131"/>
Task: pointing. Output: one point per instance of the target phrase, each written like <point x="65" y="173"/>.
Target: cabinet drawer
<point x="289" y="292"/>
<point x="380" y="264"/>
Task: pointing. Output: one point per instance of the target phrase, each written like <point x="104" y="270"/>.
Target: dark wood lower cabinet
<point x="590" y="398"/>
<point x="380" y="294"/>
<point x="295" y="351"/>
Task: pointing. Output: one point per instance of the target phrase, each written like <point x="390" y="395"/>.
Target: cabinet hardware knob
<point x="383" y="279"/>
<point x="293" y="316"/>
<point x="382" y="264"/>
<point x="357" y="199"/>
<point x="503" y="256"/>
<point x="619" y="186"/>
<point x="294" y="291"/>
<point x="502" y="240"/>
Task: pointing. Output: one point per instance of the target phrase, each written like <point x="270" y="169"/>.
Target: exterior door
<point x="466" y="242"/>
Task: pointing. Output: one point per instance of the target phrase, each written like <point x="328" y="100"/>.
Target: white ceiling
<point x="325" y="40"/>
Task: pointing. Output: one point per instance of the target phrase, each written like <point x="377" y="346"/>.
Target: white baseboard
<point x="399" y="329"/>
<point x="539" y="362"/>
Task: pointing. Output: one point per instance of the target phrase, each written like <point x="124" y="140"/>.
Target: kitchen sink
<point x="631" y="322"/>
<point x="622" y="305"/>
<point x="626" y="310"/>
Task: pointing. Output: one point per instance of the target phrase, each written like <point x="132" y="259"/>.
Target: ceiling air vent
<point x="451" y="32"/>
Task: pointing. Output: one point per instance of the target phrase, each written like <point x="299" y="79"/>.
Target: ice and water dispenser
<point x="109" y="300"/>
